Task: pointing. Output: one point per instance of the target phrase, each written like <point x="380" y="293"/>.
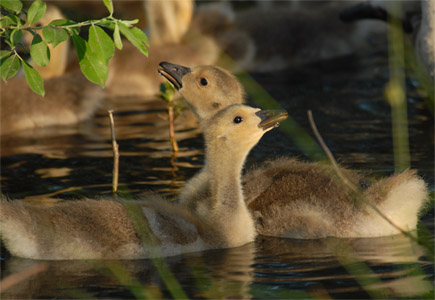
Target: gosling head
<point x="239" y="127"/>
<point x="206" y="89"/>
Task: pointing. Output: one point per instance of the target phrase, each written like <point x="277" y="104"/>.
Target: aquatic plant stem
<point x="395" y="92"/>
<point x="172" y="138"/>
<point x="115" y="147"/>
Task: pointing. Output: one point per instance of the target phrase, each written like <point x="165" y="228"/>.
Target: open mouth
<point x="173" y="73"/>
<point x="271" y="118"/>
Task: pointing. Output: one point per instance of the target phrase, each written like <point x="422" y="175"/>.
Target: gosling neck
<point x="224" y="166"/>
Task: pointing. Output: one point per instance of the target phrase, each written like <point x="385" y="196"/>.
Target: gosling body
<point x="295" y="199"/>
<point x="102" y="229"/>
<point x="69" y="99"/>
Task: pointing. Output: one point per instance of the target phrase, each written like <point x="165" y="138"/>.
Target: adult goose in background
<point x="295" y="199"/>
<point x="102" y="229"/>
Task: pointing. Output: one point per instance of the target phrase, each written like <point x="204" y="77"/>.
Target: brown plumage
<point x="68" y="99"/>
<point x="296" y="199"/>
<point x="171" y="37"/>
<point x="218" y="87"/>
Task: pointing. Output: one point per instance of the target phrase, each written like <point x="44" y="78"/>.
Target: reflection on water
<point x="270" y="268"/>
<point x="70" y="162"/>
<point x="328" y="265"/>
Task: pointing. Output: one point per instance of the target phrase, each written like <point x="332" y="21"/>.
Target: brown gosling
<point x="290" y="198"/>
<point x="171" y="37"/>
<point x="69" y="99"/>
<point x="92" y="229"/>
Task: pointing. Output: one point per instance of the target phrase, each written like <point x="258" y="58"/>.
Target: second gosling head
<point x="241" y="125"/>
<point x="206" y="89"/>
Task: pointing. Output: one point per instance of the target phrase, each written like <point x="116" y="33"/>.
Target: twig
<point x="174" y="167"/>
<point x="172" y="128"/>
<point x="346" y="181"/>
<point x="115" y="147"/>
<point x="167" y="95"/>
<point x="15" y="278"/>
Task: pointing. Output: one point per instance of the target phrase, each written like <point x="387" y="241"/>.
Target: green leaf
<point x="15" y="37"/>
<point x="39" y="51"/>
<point x="109" y="6"/>
<point x="167" y="91"/>
<point x="101" y="43"/>
<point x="64" y="22"/>
<point x="129" y="23"/>
<point x="108" y="24"/>
<point x="4" y="53"/>
<point x="9" y="67"/>
<point x="117" y="37"/>
<point x="94" y="69"/>
<point x="36" y="11"/>
<point x="34" y="80"/>
<point x="54" y="35"/>
<point x="136" y="36"/>
<point x="11" y="20"/>
<point x="12" y="5"/>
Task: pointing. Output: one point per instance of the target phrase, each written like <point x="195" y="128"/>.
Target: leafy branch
<point x="93" y="55"/>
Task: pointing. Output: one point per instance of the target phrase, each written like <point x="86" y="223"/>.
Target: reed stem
<point x="395" y="91"/>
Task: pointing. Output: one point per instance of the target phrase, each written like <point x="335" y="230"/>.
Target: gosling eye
<point x="203" y="81"/>
<point x="238" y="120"/>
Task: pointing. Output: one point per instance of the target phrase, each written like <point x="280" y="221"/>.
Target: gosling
<point x="69" y="97"/>
<point x="171" y="35"/>
<point x="68" y="100"/>
<point x="92" y="229"/>
<point x="290" y="198"/>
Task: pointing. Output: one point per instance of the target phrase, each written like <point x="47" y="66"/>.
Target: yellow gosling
<point x="101" y="229"/>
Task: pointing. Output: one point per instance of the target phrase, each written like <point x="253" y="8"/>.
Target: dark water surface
<point x="346" y="96"/>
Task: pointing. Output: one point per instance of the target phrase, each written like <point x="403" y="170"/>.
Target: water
<point x="346" y="96"/>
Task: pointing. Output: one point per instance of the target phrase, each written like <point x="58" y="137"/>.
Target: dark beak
<point x="271" y="118"/>
<point x="173" y="73"/>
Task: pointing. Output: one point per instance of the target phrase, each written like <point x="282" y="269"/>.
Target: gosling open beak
<point x="271" y="118"/>
<point x="173" y="73"/>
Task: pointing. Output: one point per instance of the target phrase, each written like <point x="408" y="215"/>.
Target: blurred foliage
<point x="93" y="54"/>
